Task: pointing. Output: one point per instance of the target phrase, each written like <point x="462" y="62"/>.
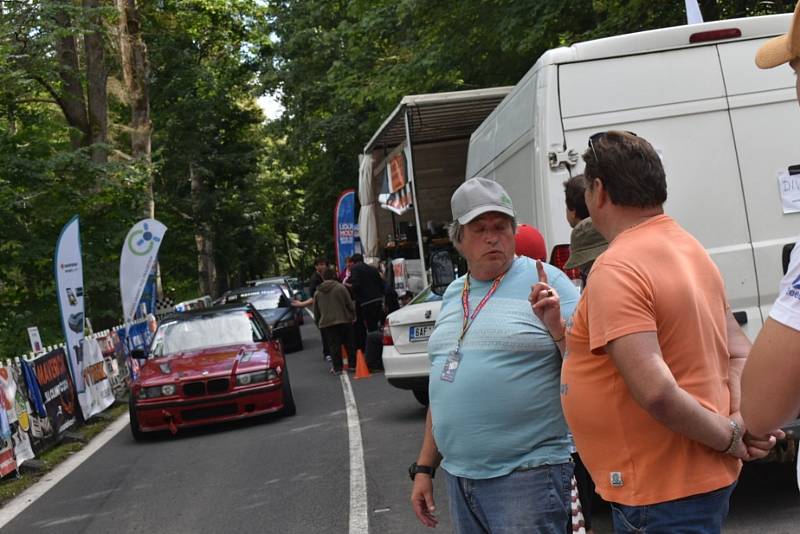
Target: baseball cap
<point x="781" y="49"/>
<point x="477" y="196"/>
<point x="585" y="244"/>
<point x="530" y="243"/>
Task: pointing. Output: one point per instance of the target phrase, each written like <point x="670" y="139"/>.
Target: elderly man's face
<point x="487" y="243"/>
<point x="795" y="64"/>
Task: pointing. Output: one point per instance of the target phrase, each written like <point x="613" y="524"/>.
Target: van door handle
<point x="740" y="316"/>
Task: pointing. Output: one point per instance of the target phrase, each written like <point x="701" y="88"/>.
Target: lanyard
<point x="469" y="319"/>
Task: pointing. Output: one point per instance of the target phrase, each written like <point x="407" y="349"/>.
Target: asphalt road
<point x="291" y="475"/>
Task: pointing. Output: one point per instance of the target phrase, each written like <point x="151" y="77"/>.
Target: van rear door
<point x="766" y="128"/>
<point x="676" y="100"/>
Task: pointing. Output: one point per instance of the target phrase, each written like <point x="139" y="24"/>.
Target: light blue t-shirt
<point x="503" y="410"/>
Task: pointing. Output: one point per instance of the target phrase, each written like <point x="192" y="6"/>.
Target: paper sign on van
<point x="789" y="185"/>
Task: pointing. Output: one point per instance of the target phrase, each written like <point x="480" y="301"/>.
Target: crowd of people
<point x="645" y="373"/>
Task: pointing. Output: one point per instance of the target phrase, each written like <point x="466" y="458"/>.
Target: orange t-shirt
<point x="655" y="277"/>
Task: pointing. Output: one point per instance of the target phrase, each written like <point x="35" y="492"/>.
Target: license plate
<point x="420" y="333"/>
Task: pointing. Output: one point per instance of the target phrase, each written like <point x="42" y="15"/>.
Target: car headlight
<point x="157" y="391"/>
<point x="253" y="378"/>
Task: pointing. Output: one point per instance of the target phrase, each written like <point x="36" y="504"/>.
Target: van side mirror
<point x="787" y="255"/>
<point x="138" y="354"/>
<point x="442" y="271"/>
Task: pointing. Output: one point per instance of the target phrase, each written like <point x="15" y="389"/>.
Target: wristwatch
<point x="413" y="469"/>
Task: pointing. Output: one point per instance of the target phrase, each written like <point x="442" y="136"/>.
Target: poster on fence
<point x="16" y="408"/>
<point x="97" y="395"/>
<point x="69" y="285"/>
<point x="58" y="392"/>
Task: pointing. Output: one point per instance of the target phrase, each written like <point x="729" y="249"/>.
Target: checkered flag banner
<point x="164" y="306"/>
<point x="578" y="524"/>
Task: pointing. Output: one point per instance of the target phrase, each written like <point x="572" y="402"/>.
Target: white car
<point x="405" y="344"/>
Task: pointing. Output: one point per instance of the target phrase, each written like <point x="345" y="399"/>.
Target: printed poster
<point x="58" y="391"/>
<point x="97" y="396"/>
<point x="789" y="187"/>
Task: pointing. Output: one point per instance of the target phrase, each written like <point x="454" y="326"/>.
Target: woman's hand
<point x="546" y="304"/>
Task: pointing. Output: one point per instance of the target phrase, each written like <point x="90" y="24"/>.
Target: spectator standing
<point x="576" y="205"/>
<point x="367" y="286"/>
<point x="770" y="392"/>
<point x="334" y="313"/>
<point x="651" y="375"/>
<point x="320" y="266"/>
<point x="504" y="455"/>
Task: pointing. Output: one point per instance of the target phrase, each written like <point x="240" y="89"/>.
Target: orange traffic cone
<point x="362" y="371"/>
<point x="345" y="358"/>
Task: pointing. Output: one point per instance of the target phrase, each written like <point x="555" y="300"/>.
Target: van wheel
<point x="289" y="409"/>
<point x="421" y="394"/>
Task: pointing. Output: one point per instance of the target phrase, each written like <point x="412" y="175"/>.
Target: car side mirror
<point x="138" y="354"/>
<point x="442" y="271"/>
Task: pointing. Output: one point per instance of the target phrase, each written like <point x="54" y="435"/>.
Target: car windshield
<point x="426" y="296"/>
<point x="263" y="297"/>
<point x="205" y="331"/>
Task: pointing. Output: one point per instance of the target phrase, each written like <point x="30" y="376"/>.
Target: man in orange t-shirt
<point x="650" y="383"/>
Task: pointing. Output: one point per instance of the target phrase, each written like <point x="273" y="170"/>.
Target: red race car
<point x="207" y="366"/>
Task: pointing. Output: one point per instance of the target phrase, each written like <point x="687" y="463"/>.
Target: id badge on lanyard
<point x="454" y="358"/>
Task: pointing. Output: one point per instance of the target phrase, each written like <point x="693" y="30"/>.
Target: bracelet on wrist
<point x="736" y="436"/>
<point x="559" y="339"/>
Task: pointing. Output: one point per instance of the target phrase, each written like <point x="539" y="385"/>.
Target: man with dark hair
<point x="576" y="205"/>
<point x="650" y="386"/>
<point x="334" y="313"/>
<point x="367" y="286"/>
<point x="320" y="266"/>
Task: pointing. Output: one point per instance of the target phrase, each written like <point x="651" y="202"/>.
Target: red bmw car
<point x="207" y="366"/>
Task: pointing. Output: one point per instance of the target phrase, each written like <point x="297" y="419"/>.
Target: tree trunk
<point x="206" y="269"/>
<point x="96" y="78"/>
<point x="133" y="52"/>
<point x="71" y="100"/>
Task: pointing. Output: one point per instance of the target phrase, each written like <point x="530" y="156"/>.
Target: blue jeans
<point x="533" y="500"/>
<point x="698" y="514"/>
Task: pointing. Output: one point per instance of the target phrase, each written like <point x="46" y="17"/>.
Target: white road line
<point x="359" y="521"/>
<point x="16" y="506"/>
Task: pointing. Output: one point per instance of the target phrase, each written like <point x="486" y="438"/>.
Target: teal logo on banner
<point x="344" y="227"/>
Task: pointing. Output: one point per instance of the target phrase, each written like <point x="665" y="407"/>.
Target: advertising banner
<point x="69" y="285"/>
<point x="16" y="408"/>
<point x="97" y="396"/>
<point x="137" y="262"/>
<point x="35" y="339"/>
<point x="58" y="392"/>
<point x="344" y="227"/>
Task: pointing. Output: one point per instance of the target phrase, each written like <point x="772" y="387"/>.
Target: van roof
<point x="667" y="39"/>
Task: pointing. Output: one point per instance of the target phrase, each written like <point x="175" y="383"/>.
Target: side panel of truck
<point x="677" y="101"/>
<point x="766" y="126"/>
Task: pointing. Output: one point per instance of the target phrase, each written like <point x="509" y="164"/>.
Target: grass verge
<point x="11" y="486"/>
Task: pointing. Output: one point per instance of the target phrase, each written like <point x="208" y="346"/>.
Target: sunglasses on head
<point x="596" y="137"/>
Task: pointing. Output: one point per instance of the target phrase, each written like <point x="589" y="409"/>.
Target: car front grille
<point x="194" y="389"/>
<point x="217" y="385"/>
<point x="223" y="410"/>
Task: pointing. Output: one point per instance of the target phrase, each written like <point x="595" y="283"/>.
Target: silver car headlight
<point x="245" y="379"/>
<point x="153" y="392"/>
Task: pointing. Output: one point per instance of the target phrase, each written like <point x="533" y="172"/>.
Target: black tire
<point x="136" y="430"/>
<point x="289" y="408"/>
<point x="421" y="394"/>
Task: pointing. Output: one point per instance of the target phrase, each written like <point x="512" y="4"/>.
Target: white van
<point x="723" y="128"/>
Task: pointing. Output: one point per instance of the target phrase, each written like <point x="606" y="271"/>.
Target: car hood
<point x="216" y="361"/>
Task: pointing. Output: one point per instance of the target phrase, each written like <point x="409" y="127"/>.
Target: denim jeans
<point x="535" y="500"/>
<point x="698" y="514"/>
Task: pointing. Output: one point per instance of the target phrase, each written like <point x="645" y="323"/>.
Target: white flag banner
<point x="136" y="261"/>
<point x="98" y="394"/>
<point x="69" y="285"/>
<point x="693" y="13"/>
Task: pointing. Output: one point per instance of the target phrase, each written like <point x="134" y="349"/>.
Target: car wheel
<point x="421" y="394"/>
<point x="289" y="409"/>
<point x="136" y="430"/>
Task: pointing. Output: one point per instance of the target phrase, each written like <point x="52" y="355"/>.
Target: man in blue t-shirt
<point x="495" y="422"/>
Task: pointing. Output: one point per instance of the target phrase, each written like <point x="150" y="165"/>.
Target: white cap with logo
<point x="477" y="196"/>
